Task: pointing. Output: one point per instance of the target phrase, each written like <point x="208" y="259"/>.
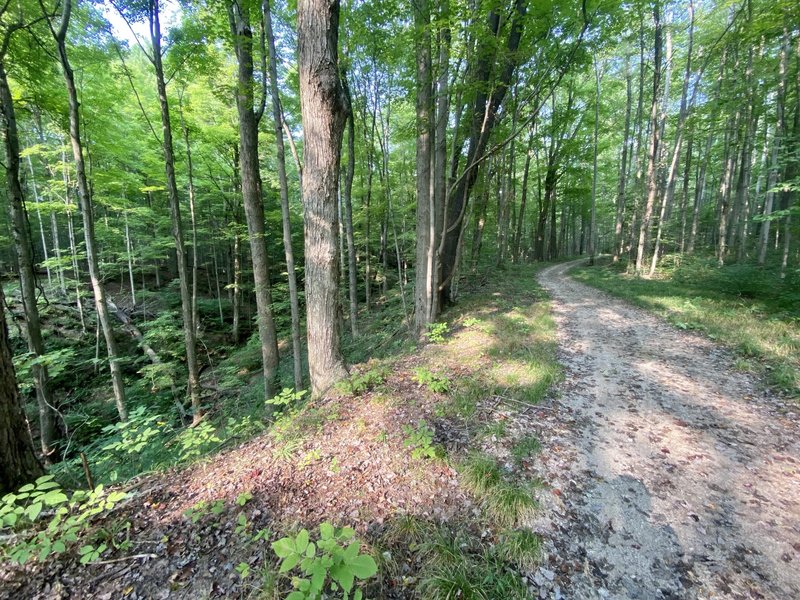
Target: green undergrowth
<point x="749" y="309"/>
<point x="502" y="338"/>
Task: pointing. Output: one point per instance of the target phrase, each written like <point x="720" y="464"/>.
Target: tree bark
<point x="277" y="114"/>
<point x="323" y="115"/>
<point x="87" y="211"/>
<point x="652" y="176"/>
<point x="347" y="200"/>
<point x="423" y="292"/>
<point x="242" y="34"/>
<point x="48" y="432"/>
<point x="175" y="211"/>
<point x="18" y="463"/>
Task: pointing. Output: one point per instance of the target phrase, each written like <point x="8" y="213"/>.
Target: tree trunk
<point x="593" y="217"/>
<point x="85" y="199"/>
<point x="33" y="334"/>
<point x="323" y="114"/>
<point x="18" y="463"/>
<point x="347" y="199"/>
<point x="424" y="123"/>
<point x="277" y="114"/>
<point x="652" y="176"/>
<point x="175" y="210"/>
<point x="242" y="35"/>
<point x="619" y="218"/>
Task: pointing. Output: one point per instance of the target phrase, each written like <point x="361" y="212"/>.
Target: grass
<point x="748" y="309"/>
<point x="525" y="448"/>
<point x="505" y="500"/>
<point x="457" y="566"/>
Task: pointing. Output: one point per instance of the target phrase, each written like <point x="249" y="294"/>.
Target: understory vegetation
<point x="448" y="422"/>
<point x="750" y="309"/>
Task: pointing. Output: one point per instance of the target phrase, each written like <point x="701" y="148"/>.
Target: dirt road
<point x="678" y="476"/>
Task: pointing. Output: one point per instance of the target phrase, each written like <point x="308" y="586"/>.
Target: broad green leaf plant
<point x="329" y="565"/>
<point x="25" y="513"/>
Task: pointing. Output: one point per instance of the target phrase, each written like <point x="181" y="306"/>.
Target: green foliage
<point x="506" y="501"/>
<point x="288" y="397"/>
<point x="420" y="440"/>
<point x="521" y="547"/>
<point x="436" y="332"/>
<point x="435" y="382"/>
<point x="41" y="532"/>
<point x="196" y="441"/>
<point x="329" y="565"/>
<point x="360" y="383"/>
<point x="459" y="567"/>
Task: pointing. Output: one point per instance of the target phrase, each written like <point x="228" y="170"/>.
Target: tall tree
<point x="87" y="210"/>
<point x="18" y="463"/>
<point x="277" y="116"/>
<point x="652" y="156"/>
<point x="242" y="33"/>
<point x="189" y="331"/>
<point x="22" y="244"/>
<point x="426" y="215"/>
<point x="323" y="111"/>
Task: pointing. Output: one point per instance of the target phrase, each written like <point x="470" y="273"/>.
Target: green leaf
<point x="301" y="542"/>
<point x="27" y="488"/>
<point x="85" y="550"/>
<point x="326" y="531"/>
<point x="47" y="485"/>
<point x="358" y="595"/>
<point x="318" y="573"/>
<point x="346" y="533"/>
<point x="311" y="550"/>
<point x="296" y="596"/>
<point x="283" y="547"/>
<point x="363" y="566"/>
<point x="54" y="497"/>
<point x="352" y="551"/>
<point x="33" y="510"/>
<point x="344" y="576"/>
<point x="289" y="563"/>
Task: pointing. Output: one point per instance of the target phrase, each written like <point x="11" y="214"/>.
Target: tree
<point x="33" y="333"/>
<point x="323" y="111"/>
<point x="189" y="331"/>
<point x="242" y="34"/>
<point x="18" y="463"/>
<point x="277" y="117"/>
<point x="87" y="210"/>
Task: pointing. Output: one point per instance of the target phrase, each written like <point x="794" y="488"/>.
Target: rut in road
<point x="683" y="477"/>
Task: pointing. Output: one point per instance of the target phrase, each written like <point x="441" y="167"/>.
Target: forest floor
<point x="599" y="454"/>
<point x="682" y="478"/>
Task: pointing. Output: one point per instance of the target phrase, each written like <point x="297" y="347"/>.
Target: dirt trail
<point x="677" y="476"/>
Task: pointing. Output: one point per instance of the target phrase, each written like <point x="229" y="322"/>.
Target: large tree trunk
<point x="175" y="210"/>
<point x="251" y="191"/>
<point x="423" y="293"/>
<point x="18" y="463"/>
<point x="277" y="114"/>
<point x="85" y="199"/>
<point x="19" y="227"/>
<point x="323" y="113"/>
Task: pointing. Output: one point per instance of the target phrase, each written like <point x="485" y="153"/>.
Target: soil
<point x="674" y="475"/>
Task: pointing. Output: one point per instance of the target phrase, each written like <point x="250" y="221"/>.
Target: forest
<point x="238" y="237"/>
